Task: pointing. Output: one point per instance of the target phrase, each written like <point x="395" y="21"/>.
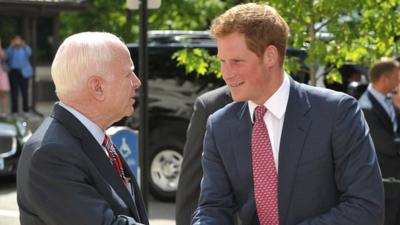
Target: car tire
<point x="166" y="156"/>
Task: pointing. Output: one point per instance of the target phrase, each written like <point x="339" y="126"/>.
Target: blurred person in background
<point x="188" y="191"/>
<point x="19" y="71"/>
<point x="396" y="92"/>
<point x="383" y="120"/>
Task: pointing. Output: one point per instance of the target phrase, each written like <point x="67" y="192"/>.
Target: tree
<point x="332" y="31"/>
<point x="114" y="17"/>
<point x="335" y="32"/>
<point x="185" y="14"/>
<point x="100" y="15"/>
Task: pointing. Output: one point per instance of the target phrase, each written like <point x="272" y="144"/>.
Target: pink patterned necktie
<point x="264" y="171"/>
<point x="114" y="158"/>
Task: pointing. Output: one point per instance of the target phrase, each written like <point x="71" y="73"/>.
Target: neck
<point x="91" y="111"/>
<point x="380" y="88"/>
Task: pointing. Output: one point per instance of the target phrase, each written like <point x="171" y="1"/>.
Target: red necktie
<point x="264" y="171"/>
<point x="114" y="158"/>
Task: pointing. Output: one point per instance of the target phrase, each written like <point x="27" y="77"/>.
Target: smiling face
<point x="248" y="76"/>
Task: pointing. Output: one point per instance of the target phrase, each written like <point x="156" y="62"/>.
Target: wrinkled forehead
<point x="122" y="54"/>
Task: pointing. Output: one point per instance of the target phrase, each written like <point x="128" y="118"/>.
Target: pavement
<point x="160" y="213"/>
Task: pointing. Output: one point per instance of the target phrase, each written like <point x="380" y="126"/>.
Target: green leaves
<point x="334" y="76"/>
<point x="361" y="31"/>
<point x="198" y="61"/>
<point x="332" y="31"/>
<point x="100" y="15"/>
<point x="185" y="14"/>
<point x="292" y="64"/>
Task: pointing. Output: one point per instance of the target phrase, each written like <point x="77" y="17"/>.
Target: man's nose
<point x="136" y="83"/>
<point x="226" y="72"/>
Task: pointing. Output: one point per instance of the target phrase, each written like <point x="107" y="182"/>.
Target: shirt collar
<point x="277" y="103"/>
<point x="95" y="130"/>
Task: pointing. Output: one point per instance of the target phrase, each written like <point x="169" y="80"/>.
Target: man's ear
<point x="270" y="56"/>
<point x="95" y="86"/>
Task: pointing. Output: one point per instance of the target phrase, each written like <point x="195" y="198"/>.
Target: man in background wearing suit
<point x="307" y="159"/>
<point x="382" y="118"/>
<point x="69" y="171"/>
<point x="188" y="191"/>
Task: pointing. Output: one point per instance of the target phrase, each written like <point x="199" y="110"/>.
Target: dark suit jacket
<point x="188" y="191"/>
<point x="386" y="145"/>
<point x="65" y="177"/>
<point x="328" y="171"/>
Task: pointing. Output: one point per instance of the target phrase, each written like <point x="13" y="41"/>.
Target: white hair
<point x="81" y="56"/>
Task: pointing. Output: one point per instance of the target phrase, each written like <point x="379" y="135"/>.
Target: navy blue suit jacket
<point x="65" y="178"/>
<point x="328" y="171"/>
<point x="386" y="142"/>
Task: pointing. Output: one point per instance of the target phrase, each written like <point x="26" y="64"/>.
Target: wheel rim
<point x="165" y="170"/>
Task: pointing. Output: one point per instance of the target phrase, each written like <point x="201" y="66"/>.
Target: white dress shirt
<point x="276" y="106"/>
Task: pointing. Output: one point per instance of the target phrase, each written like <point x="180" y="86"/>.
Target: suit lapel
<point x="140" y="208"/>
<point x="95" y="153"/>
<point x="294" y="132"/>
<point x="242" y="143"/>
<point x="397" y="112"/>
<point x="380" y="112"/>
<point x="240" y="132"/>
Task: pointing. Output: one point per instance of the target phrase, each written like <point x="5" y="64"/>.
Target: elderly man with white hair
<point x="69" y="172"/>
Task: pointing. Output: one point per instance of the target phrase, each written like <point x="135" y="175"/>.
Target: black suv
<point x="15" y="130"/>
<point x="172" y="93"/>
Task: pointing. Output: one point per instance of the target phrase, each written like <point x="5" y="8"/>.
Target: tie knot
<point x="106" y="142"/>
<point x="388" y="100"/>
<point x="260" y="112"/>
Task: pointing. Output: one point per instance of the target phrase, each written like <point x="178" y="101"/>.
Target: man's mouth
<point x="236" y="84"/>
